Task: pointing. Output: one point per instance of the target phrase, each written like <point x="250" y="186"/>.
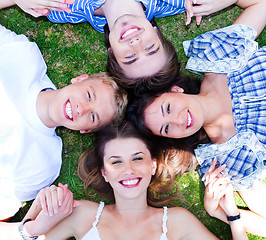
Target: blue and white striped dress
<point x="82" y="11"/>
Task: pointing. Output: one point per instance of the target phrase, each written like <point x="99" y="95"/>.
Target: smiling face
<point x="174" y="115"/>
<point x="83" y="105"/>
<point x="128" y="167"/>
<point x="136" y="46"/>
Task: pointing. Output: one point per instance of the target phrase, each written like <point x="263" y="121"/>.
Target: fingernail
<point x="50" y="213"/>
<point x="55" y="211"/>
<point x="59" y="203"/>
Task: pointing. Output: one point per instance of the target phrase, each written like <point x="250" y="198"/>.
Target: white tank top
<point x="93" y="233"/>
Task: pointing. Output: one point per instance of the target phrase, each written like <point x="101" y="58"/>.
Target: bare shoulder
<point x="182" y="224"/>
<point x="83" y="216"/>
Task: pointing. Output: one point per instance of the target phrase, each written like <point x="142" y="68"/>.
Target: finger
<point x="50" y="198"/>
<point x="218" y="186"/>
<point x="42" y="201"/>
<point x="56" y="194"/>
<point x="69" y="1"/>
<point x="189" y="13"/>
<point x="198" y="19"/>
<point x="60" y="196"/>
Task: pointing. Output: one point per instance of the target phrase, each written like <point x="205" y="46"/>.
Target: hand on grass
<point x="39" y="8"/>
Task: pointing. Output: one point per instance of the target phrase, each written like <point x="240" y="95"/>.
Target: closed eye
<point x="130" y="56"/>
<point x="89" y="96"/>
<point x="149" y="47"/>
<point x="137" y="159"/>
<point x="116" y="162"/>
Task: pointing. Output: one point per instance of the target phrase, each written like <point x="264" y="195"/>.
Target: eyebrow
<point x="134" y="154"/>
<point x="148" y="54"/>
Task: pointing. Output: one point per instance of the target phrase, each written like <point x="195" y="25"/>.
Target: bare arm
<point x="189" y="227"/>
<point x="253" y="14"/>
<point x="38" y="7"/>
<point x="48" y="209"/>
<point x="219" y="200"/>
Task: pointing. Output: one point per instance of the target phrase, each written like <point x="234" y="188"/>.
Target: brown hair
<point x="91" y="163"/>
<point x="161" y="80"/>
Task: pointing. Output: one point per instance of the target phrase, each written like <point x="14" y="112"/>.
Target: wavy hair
<point x="91" y="163"/>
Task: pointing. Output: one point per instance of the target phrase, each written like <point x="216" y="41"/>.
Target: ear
<point x="104" y="175"/>
<point x="79" y="78"/>
<point x="154" y="166"/>
<point x="85" y="131"/>
<point x="177" y="89"/>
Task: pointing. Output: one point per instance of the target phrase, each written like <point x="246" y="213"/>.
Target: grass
<point x="71" y="50"/>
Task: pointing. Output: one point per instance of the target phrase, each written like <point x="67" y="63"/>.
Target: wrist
<point x="233" y="218"/>
<point x="23" y="233"/>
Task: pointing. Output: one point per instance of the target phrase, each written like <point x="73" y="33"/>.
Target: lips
<point x="130" y="183"/>
<point x="189" y="119"/>
<point x="129" y="32"/>
<point x="68" y="111"/>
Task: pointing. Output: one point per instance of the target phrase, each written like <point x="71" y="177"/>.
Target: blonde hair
<point x="119" y="93"/>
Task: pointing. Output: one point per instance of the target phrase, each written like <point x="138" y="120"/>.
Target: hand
<point x="43" y="222"/>
<point x="199" y="8"/>
<point x="39" y="8"/>
<point x="189" y="4"/>
<point x="51" y="198"/>
<point x="218" y="193"/>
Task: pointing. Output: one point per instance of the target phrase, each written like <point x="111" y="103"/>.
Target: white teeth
<point x="68" y="110"/>
<point x="188" y="119"/>
<point x="128" y="32"/>
<point x="130" y="182"/>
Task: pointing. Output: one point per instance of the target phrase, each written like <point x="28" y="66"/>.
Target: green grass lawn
<point x="71" y="50"/>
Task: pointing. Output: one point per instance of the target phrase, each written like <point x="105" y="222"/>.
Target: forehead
<point x="124" y="146"/>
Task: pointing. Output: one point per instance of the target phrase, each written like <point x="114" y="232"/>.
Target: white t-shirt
<point x="30" y="152"/>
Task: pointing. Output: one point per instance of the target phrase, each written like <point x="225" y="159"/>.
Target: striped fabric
<point x="82" y="11"/>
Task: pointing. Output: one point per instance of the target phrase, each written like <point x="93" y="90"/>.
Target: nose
<point x="129" y="169"/>
<point x="134" y="42"/>
<point x="82" y="108"/>
<point x="177" y="119"/>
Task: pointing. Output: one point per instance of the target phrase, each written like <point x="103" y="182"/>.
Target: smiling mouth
<point x="130" y="182"/>
<point x="129" y="32"/>
<point x="189" y="120"/>
<point x="68" y="111"/>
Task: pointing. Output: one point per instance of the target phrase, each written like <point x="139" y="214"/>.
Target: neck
<point x="131" y="206"/>
<point x="113" y="9"/>
<point x="42" y="106"/>
<point x="219" y="121"/>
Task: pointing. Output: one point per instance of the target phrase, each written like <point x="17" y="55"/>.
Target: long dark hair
<point x="91" y="163"/>
<point x="135" y="113"/>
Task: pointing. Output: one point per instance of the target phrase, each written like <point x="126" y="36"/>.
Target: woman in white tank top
<point x="128" y="166"/>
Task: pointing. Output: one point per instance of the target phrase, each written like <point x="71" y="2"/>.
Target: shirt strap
<point x="99" y="212"/>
